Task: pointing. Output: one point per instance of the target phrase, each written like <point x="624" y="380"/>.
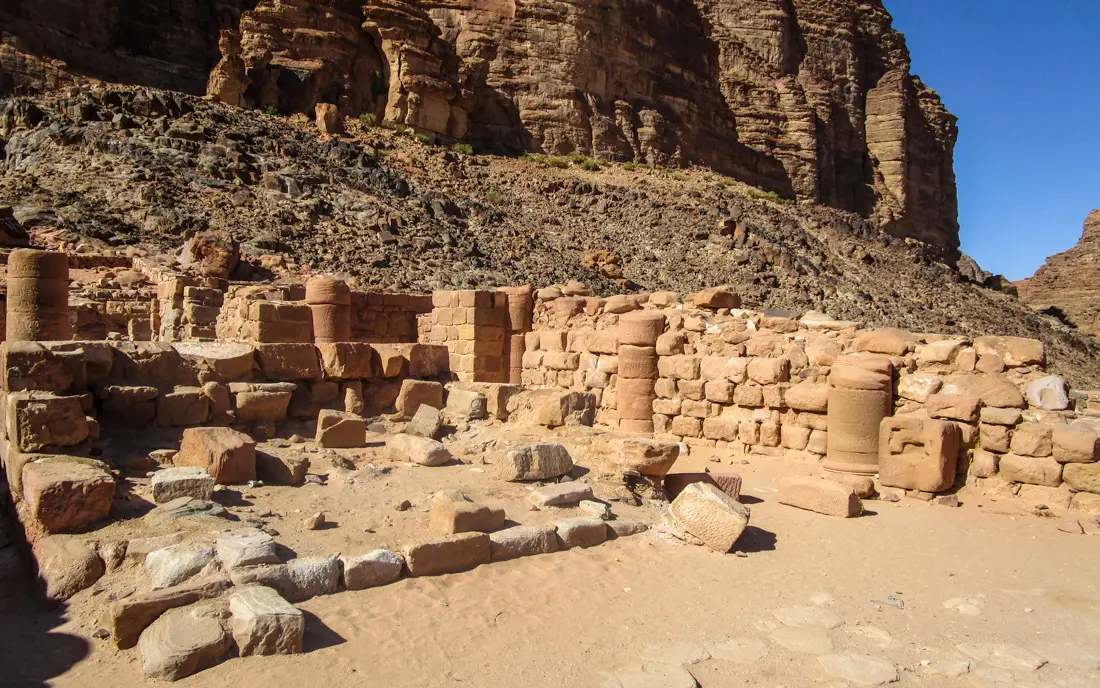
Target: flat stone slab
<point x="128" y="617"/>
<point x="370" y="570"/>
<point x="182" y="481"/>
<point x="740" y="650"/>
<point x="808" y="617"/>
<point x="522" y="541"/>
<point x="246" y="548"/>
<point x="947" y="668"/>
<point x="808" y="641"/>
<point x="1068" y="655"/>
<point x="535" y="462"/>
<point x="560" y="494"/>
<point x="582" y="531"/>
<point x="263" y="623"/>
<point x="181" y="643"/>
<point x="448" y="554"/>
<point x="862" y="669"/>
<point x="175" y="564"/>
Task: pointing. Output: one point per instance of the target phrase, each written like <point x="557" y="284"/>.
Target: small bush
<point x="463" y="148"/>
<point x="494" y="197"/>
<point x="629" y="166"/>
<point x="724" y="182"/>
<point x="369" y="119"/>
<point x="590" y="166"/>
<point x="708" y="177"/>
<point x="271" y="110"/>
<point x="560" y="163"/>
<point x="770" y="196"/>
<point x="678" y="176"/>
<point x="577" y="158"/>
<point x="644" y="166"/>
<point x="422" y="138"/>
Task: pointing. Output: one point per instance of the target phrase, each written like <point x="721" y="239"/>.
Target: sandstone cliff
<point x="812" y="99"/>
<point x="1067" y="283"/>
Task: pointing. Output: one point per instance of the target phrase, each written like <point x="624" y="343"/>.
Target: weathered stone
<point x="711" y="515"/>
<point x="862" y="669"/>
<point x="534" y="462"/>
<point x="262" y="406"/>
<point x="1084" y="477"/>
<point x="450" y="517"/>
<point x="65" y="495"/>
<point x="246" y="547"/>
<point x="178" y="563"/>
<point x="370" y="570"/>
<point x="823" y="496"/>
<point x="182" y="481"/>
<point x="418" y="450"/>
<point x="645" y="456"/>
<point x="128" y="617"/>
<point x="426" y="422"/>
<point x="414" y="393"/>
<point x="281" y="467"/>
<point x="346" y="360"/>
<point x="917" y="454"/>
<point x="619" y="528"/>
<point x="1033" y="439"/>
<point x="1031" y="470"/>
<point x="289" y="361"/>
<point x="227" y="455"/>
<point x="1073" y="445"/>
<point x="263" y="623"/>
<point x="466" y="404"/>
<point x="66" y="565"/>
<point x="1048" y="393"/>
<point x="339" y="430"/>
<point x="37" y="420"/>
<point x="1014" y="351"/>
<point x="449" y="554"/>
<point x="807" y="397"/>
<point x="556" y="408"/>
<point x="918" y="387"/>
<point x="183" y="406"/>
<point x="962" y="407"/>
<point x="309" y="577"/>
<point x="560" y="494"/>
<point x="181" y="643"/>
<point x="184" y="507"/>
<point x="730" y="483"/>
<point x="997" y="416"/>
<point x="582" y="531"/>
<point x="522" y="541"/>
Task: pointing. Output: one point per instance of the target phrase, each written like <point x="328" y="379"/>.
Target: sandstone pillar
<point x="860" y="396"/>
<point x="637" y="377"/>
<point x="38" y="296"/>
<point x="521" y="306"/>
<point x="329" y="302"/>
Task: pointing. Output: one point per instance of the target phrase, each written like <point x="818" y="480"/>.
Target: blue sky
<point x="1023" y="76"/>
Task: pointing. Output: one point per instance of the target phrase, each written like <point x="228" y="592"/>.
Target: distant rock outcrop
<point x="1066" y="285"/>
<point x="810" y="99"/>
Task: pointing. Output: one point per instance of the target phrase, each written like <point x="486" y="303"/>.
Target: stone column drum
<point x="637" y="377"/>
<point x="521" y="305"/>
<point x="329" y="302"/>
<point x="860" y="396"/>
<point x="38" y="296"/>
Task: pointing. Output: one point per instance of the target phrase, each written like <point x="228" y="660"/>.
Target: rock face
<point x="1066" y="283"/>
<point x="808" y="98"/>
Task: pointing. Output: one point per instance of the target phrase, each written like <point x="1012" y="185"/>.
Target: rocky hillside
<point x="1066" y="286"/>
<point x="810" y="99"/>
<point x="145" y="168"/>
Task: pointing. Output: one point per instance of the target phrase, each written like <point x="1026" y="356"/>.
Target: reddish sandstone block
<point x="448" y="554"/>
<point x="229" y="456"/>
<point x="66" y="496"/>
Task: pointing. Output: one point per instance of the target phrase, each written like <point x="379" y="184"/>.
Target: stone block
<point x="522" y="541"/>
<point x="794" y="437"/>
<point x="29" y="366"/>
<point x="37" y="420"/>
<point x="347" y="360"/>
<point x="1001" y="416"/>
<point x="641" y="328"/>
<point x="672" y="344"/>
<point x="65" y="495"/>
<point x="1083" y="477"/>
<point x="281" y="467"/>
<point x="686" y="426"/>
<point x="646" y="456"/>
<point x="994" y="438"/>
<point x="262" y="406"/>
<point x="730" y="483"/>
<point x="890" y="341"/>
<point x="1033" y="439"/>
<point x="821" y="496"/>
<point x="807" y="396"/>
<point x="581" y="531"/>
<point x="450" y="517"/>
<point x="716" y="298"/>
<point x="721" y="428"/>
<point x="426" y="422"/>
<point x="340" y="430"/>
<point x="749" y="396"/>
<point x="555" y="408"/>
<point x="677" y="367"/>
<point x="961" y="407"/>
<point x="66" y="564"/>
<point x="419" y="450"/>
<point x="245" y="547"/>
<point x="183" y="406"/>
<point x="449" y="554"/>
<point x="637" y="362"/>
<point x="175" y="564"/>
<point x="719" y="391"/>
<point x="229" y="456"/>
<point x="710" y="515"/>
<point x="1014" y="351"/>
<point x="182" y="642"/>
<point x="182" y="481"/>
<point x="534" y="462"/>
<point x="263" y="623"/>
<point x="289" y="361"/>
<point x="918" y="454"/>
<point x="769" y="371"/>
<point x="309" y="577"/>
<point x="128" y="617"/>
<point x="371" y="570"/>
<point x="1075" y="445"/>
<point x="1031" y="470"/>
<point x="466" y="404"/>
<point x="984" y="464"/>
<point x="416" y="392"/>
<point x="918" y="387"/>
<point x="560" y="494"/>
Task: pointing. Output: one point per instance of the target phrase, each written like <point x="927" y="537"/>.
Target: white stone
<point x="263" y="623"/>
<point x="175" y="564"/>
<point x="1048" y="393"/>
<point x="312" y="576"/>
<point x="246" y="547"/>
<point x="182" y="481"/>
<point x="372" y="569"/>
<point x="182" y="642"/>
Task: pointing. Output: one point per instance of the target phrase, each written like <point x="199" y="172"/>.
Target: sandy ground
<point x="984" y="574"/>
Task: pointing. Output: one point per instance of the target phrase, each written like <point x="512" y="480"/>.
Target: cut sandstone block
<point x="822" y="496"/>
<point x="263" y="623"/>
<point x="917" y="454"/>
<point x="582" y="531"/>
<point x="37" y="420"/>
<point x="339" y="430"/>
<point x="1014" y="351"/>
<point x="246" y="547"/>
<point x="1033" y="439"/>
<point x="370" y="570"/>
<point x="181" y="643"/>
<point x="641" y="328"/>
<point x="522" y="541"/>
<point x="419" y="450"/>
<point x="66" y="496"/>
<point x="466" y="404"/>
<point x="730" y="483"/>
<point x="426" y="422"/>
<point x="450" y="517"/>
<point x="262" y="406"/>
<point x="289" y="361"/>
<point x="416" y="392"/>
<point x="535" y="462"/>
<point x="1031" y="470"/>
<point x="1083" y="477"/>
<point x="182" y="481"/>
<point x="645" y="456"/>
<point x="1074" y="445"/>
<point x="229" y="456"/>
<point x="560" y="494"/>
<point x="710" y="515"/>
<point x="128" y="617"/>
<point x="962" y="407"/>
<point x="449" y="554"/>
<point x="347" y="360"/>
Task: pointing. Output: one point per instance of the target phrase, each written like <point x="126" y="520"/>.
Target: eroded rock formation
<point x="812" y="99"/>
<point x="1067" y="282"/>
